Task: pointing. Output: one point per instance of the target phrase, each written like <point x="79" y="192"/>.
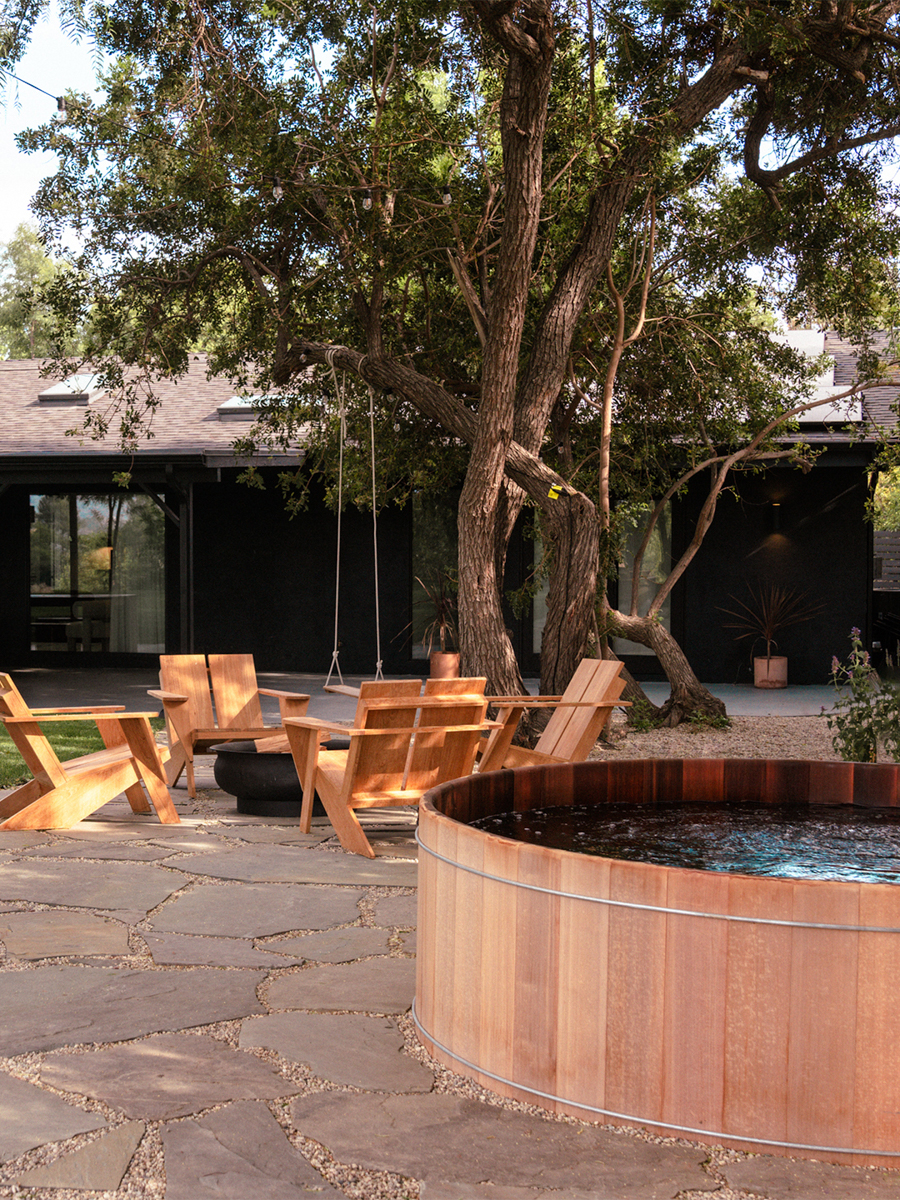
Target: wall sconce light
<point x="775" y="516"/>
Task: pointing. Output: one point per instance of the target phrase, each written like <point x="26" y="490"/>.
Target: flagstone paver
<point x="296" y="864"/>
<point x="131" y="829"/>
<point x="89" y="885"/>
<point x="376" y="985"/>
<point x="396" y="911"/>
<point x="22" y="839"/>
<point x="170" y="949"/>
<point x="172" y="1075"/>
<point x="440" y="1137"/>
<point x="337" y="945"/>
<point x="31" y="1116"/>
<point x="360" y="1051"/>
<point x="431" y="1190"/>
<point x="66" y="1005"/>
<point x="237" y="1153"/>
<point x="273" y="835"/>
<point x="117" y="851"/>
<point x="791" y="1179"/>
<point x="35" y="935"/>
<point x="193" y="842"/>
<point x="257" y="909"/>
<point x="99" y="1166"/>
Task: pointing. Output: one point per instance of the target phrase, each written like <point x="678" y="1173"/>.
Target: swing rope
<point x="378" y="674"/>
<point x="339" y="391"/>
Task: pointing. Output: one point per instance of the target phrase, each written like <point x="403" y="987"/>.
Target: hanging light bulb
<point x="61" y="113"/>
<point x="367" y="200"/>
<point x="277" y="190"/>
<point x="445" y="195"/>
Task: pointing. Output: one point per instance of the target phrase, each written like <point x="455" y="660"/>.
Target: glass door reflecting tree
<point x="97" y="573"/>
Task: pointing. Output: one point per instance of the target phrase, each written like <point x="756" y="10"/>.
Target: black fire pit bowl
<point x="264" y="785"/>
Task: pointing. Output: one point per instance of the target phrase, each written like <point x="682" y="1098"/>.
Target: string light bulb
<point x="277" y="190"/>
<point x="61" y="113"/>
<point x="446" y="197"/>
<point x="367" y="200"/>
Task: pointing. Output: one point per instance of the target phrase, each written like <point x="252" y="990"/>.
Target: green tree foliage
<point x="26" y="324"/>
<point x="537" y="232"/>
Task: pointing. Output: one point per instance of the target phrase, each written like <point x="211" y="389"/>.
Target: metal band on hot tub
<point x="631" y="1117"/>
<point x="677" y="912"/>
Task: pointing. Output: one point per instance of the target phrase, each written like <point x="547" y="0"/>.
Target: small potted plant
<point x="771" y="608"/>
<point x="444" y="662"/>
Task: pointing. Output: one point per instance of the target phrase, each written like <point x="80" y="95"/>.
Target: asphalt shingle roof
<point x="187" y="421"/>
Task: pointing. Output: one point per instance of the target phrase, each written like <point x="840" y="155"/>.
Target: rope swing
<point x="342" y="411"/>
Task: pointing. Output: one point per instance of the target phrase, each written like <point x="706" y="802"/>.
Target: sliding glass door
<point x="97" y="573"/>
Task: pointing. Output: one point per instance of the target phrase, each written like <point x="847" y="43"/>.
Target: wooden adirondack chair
<point x="402" y="747"/>
<point x="63" y="793"/>
<point x="580" y="716"/>
<point x="219" y="702"/>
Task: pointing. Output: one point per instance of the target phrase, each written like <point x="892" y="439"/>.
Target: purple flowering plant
<point x="866" y="712"/>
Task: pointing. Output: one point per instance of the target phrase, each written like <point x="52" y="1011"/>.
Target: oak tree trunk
<point x="689" y="696"/>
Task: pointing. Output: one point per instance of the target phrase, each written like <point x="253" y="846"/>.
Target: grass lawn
<point x="68" y="738"/>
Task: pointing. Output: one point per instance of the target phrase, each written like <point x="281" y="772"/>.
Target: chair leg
<point x="146" y="760"/>
<point x="20" y="798"/>
<point x="346" y="825"/>
<point x="137" y="799"/>
<point x="176" y="764"/>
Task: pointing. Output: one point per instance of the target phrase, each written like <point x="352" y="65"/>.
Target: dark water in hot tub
<point x="782" y="840"/>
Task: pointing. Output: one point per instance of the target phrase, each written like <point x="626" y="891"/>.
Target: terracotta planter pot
<point x="444" y="664"/>
<point x="770" y="672"/>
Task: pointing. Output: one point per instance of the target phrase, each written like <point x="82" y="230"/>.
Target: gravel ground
<point x="746" y="737"/>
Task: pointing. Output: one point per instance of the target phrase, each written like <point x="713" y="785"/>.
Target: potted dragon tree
<point x="770" y="608"/>
<point x="439" y="639"/>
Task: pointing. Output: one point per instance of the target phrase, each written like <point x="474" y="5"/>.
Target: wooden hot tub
<point x="751" y="1012"/>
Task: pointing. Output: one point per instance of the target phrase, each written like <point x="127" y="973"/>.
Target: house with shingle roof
<point x="188" y="559"/>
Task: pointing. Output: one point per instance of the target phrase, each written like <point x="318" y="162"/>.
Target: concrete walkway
<point x="220" y="1009"/>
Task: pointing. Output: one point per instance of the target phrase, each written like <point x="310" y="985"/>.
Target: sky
<point x="57" y="64"/>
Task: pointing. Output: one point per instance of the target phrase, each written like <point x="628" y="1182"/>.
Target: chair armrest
<point x="282" y="695"/>
<point x="84" y="708"/>
<point x="317" y="723"/>
<point x="84" y="716"/>
<point x="171" y="697"/>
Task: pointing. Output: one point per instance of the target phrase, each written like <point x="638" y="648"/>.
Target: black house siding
<point x="264" y="582"/>
<point x="820" y="547"/>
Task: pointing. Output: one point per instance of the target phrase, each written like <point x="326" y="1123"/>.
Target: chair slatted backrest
<point x="187" y="675"/>
<point x="432" y="756"/>
<point x="235" y="691"/>
<point x="31" y="743"/>
<point x="571" y="732"/>
<point x="384" y="689"/>
<point x="378" y="763"/>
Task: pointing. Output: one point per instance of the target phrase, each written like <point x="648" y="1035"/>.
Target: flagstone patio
<point x="220" y="1009"/>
